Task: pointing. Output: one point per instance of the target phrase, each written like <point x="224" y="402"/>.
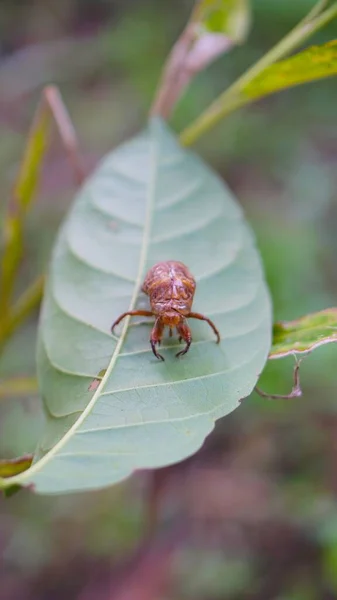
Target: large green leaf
<point x="111" y="407"/>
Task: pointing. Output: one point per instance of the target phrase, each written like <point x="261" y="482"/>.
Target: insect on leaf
<point x="305" y="334"/>
<point x="111" y="407"/>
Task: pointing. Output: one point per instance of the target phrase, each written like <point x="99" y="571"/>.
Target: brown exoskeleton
<point x="170" y="287"/>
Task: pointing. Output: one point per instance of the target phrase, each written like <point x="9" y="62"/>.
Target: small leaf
<point x="166" y="204"/>
<point x="227" y="17"/>
<point x="305" y="334"/>
<point x="13" y="466"/>
<point x="313" y="63"/>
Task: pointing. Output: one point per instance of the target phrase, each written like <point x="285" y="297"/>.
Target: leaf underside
<point x="111" y="407"/>
<point x="305" y="334"/>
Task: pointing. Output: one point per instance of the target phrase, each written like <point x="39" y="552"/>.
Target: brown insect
<point x="170" y="287"/>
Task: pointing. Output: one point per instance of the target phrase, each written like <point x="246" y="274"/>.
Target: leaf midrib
<point x="143" y="253"/>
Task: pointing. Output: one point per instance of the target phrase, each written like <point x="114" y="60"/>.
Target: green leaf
<point x="20" y="201"/>
<point x="242" y="91"/>
<point x="312" y="64"/>
<point x="229" y="17"/>
<point x="304" y="334"/>
<point x="111" y="407"/>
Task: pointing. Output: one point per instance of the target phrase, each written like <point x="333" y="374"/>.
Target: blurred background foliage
<point x="254" y="513"/>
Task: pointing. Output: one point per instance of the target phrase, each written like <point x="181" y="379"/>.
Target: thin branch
<point x="171" y="83"/>
<point x="296" y="391"/>
<point x="66" y="129"/>
<point x="316" y="10"/>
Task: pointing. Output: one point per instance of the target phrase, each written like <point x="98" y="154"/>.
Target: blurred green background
<point x="254" y="514"/>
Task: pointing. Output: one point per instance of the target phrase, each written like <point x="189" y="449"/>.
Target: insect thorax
<point x="170" y="286"/>
<point x="168" y="296"/>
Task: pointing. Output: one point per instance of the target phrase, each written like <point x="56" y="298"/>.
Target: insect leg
<point x="131" y="313"/>
<point x="184" y="334"/>
<point x="156" y="335"/>
<point x="201" y="317"/>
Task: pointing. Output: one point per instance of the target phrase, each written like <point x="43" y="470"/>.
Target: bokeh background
<point x="254" y="514"/>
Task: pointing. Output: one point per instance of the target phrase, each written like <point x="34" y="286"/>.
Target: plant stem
<point x="232" y="99"/>
<point x="51" y="105"/>
<point x="29" y="300"/>
<point x="296" y="391"/>
<point x="21" y="199"/>
<point x="195" y="49"/>
<point x="316" y="10"/>
<point x="172" y="82"/>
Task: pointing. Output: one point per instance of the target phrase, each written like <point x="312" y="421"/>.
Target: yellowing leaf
<point x="313" y="63"/>
<point x="14" y="466"/>
<point x="304" y="334"/>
